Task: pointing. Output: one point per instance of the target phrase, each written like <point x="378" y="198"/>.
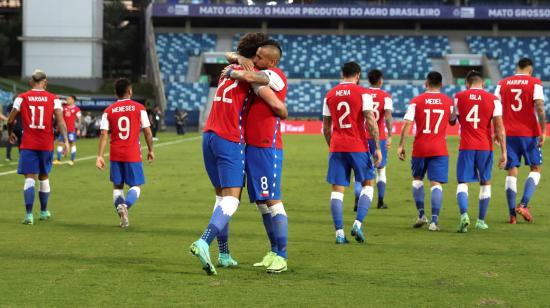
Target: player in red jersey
<point x="525" y="121"/>
<point x="72" y="117"/>
<point x="431" y="111"/>
<point x="350" y="105"/>
<point x="264" y="152"/>
<point x="124" y="119"/>
<point x="476" y="109"/>
<point x="37" y="108"/>
<point x="224" y="152"/>
<point x="383" y="106"/>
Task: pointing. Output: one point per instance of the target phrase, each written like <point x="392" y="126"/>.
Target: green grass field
<point x="82" y="258"/>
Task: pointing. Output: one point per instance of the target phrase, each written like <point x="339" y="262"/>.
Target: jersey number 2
<point x="345" y="105"/>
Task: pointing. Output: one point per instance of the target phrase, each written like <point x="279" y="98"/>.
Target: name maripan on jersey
<point x="123" y="108"/>
<point x="343" y="92"/>
<point x="517" y="82"/>
<point x="33" y="99"/>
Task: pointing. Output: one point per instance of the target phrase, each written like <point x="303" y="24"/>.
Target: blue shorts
<point x="264" y="167"/>
<point x="223" y="160"/>
<point x="35" y="162"/>
<point x="71" y="137"/>
<point x="127" y="173"/>
<point x="340" y="165"/>
<point x="383" y="149"/>
<point x="525" y="147"/>
<point x="474" y="166"/>
<point x="436" y="166"/>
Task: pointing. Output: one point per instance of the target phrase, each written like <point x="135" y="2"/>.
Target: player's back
<point x="262" y="124"/>
<point x="475" y="109"/>
<point x="380" y="99"/>
<point x="124" y="120"/>
<point x="517" y="94"/>
<point x="37" y="110"/>
<point x="345" y="104"/>
<point x="228" y="107"/>
<point x="432" y="114"/>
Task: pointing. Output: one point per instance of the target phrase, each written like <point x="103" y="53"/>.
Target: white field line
<point x="160" y="145"/>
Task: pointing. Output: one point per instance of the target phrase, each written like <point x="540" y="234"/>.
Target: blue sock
<point x="511" y="192"/>
<point x="132" y="196"/>
<point x="381" y="186"/>
<point x="364" y="203"/>
<point x="437" y="198"/>
<point x="28" y="194"/>
<point x="118" y="197"/>
<point x="59" y="153"/>
<point x="223" y="237"/>
<point x="280" y="225"/>
<point x="483" y="207"/>
<point x="268" y="225"/>
<point x="336" y="208"/>
<point x="418" y="195"/>
<point x="530" y="187"/>
<point x="43" y="196"/>
<point x="73" y="155"/>
<point x="219" y="219"/>
<point x="357" y="188"/>
<point x="462" y="198"/>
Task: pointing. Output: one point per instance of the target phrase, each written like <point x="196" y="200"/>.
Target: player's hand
<point x="100" y="163"/>
<point x="495" y="140"/>
<point x="66" y="148"/>
<point x="377" y="157"/>
<point x="150" y="157"/>
<point x="12" y="139"/>
<point x="78" y="132"/>
<point x="401" y="152"/>
<point x="223" y="74"/>
<point x="542" y="138"/>
<point x="503" y="160"/>
<point x="388" y="143"/>
<point x="246" y="63"/>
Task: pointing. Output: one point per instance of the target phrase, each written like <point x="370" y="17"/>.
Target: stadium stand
<point x="188" y="96"/>
<point x="508" y="50"/>
<point x="5" y="97"/>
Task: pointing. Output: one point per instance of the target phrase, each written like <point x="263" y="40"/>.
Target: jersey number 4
<point x="440" y="113"/>
<point x="473" y="116"/>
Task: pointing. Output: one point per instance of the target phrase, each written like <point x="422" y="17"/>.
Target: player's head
<point x="474" y="79"/>
<point x="123" y="88"/>
<point x="525" y="66"/>
<point x="351" y="71"/>
<point x="39" y="79"/>
<point x="434" y="80"/>
<point x="268" y="54"/>
<point x="376" y="78"/>
<point x="71" y="99"/>
<point x="249" y="43"/>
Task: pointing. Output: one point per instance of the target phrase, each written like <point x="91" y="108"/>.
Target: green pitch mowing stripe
<point x="82" y="258"/>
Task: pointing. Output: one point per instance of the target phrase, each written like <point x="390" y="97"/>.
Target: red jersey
<point x="431" y="111"/>
<point x="518" y="94"/>
<point x="476" y="108"/>
<point x="381" y="102"/>
<point x="70" y="113"/>
<point x="37" y="111"/>
<point x="263" y="127"/>
<point x="228" y="107"/>
<point x="345" y="103"/>
<point x="125" y="118"/>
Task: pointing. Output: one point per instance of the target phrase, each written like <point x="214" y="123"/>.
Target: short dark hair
<point x="73" y="97"/>
<point x="434" y="79"/>
<point x="374" y="76"/>
<point x="249" y="43"/>
<point x="525" y="62"/>
<point x="350" y="69"/>
<point x="272" y="42"/>
<point x="121" y="86"/>
<point x="473" y="76"/>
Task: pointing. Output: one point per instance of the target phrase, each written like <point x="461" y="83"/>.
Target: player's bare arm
<point x="401" y="149"/>
<point x="235" y="58"/>
<point x="62" y="128"/>
<point x="454" y="117"/>
<point x="11" y="125"/>
<point x="248" y="76"/>
<point x="500" y="139"/>
<point x="149" y="140"/>
<point x="375" y="135"/>
<point x="100" y="161"/>
<point x="327" y="128"/>
<point x="269" y="97"/>
<point x="388" y="118"/>
<point x="539" y="103"/>
<point x="3" y="117"/>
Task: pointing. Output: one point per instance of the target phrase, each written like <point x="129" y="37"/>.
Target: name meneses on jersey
<point x="124" y="108"/>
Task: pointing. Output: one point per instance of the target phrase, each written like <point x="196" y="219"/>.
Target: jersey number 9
<point x="123" y="128"/>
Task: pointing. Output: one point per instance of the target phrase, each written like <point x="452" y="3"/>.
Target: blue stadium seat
<point x="508" y="50"/>
<point x="6" y="98"/>
<point x="187" y="96"/>
<point x="320" y="56"/>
